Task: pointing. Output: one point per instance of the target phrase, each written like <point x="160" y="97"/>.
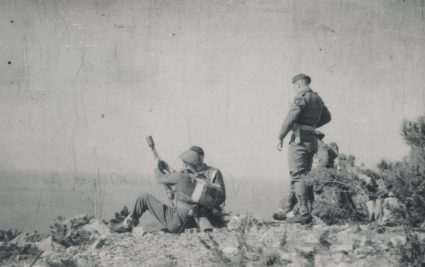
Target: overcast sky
<point x="84" y="82"/>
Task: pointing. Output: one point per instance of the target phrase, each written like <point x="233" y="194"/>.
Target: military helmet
<point x="334" y="147"/>
<point x="191" y="157"/>
<point x="198" y="150"/>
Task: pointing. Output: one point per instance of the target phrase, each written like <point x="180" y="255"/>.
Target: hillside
<point x="83" y="241"/>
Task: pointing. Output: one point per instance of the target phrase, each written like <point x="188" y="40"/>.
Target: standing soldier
<point x="306" y="113"/>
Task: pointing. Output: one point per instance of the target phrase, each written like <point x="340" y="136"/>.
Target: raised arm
<point x="169" y="179"/>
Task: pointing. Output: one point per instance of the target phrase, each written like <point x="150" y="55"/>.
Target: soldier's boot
<point x="303" y="215"/>
<point x="125" y="226"/>
<point x="286" y="205"/>
<point x="280" y="215"/>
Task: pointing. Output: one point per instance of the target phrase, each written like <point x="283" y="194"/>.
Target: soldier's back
<point x="312" y="110"/>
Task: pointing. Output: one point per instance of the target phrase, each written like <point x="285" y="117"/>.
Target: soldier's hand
<point x="164" y="167"/>
<point x="170" y="194"/>
<point x="279" y="145"/>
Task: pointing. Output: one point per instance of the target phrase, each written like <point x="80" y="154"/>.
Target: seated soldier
<point x="182" y="212"/>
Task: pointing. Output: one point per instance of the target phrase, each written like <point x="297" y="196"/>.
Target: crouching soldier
<point x="326" y="153"/>
<point x="197" y="196"/>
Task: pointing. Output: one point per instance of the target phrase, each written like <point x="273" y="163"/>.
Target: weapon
<point x="162" y="165"/>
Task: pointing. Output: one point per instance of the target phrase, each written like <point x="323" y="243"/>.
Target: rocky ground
<point x="83" y="241"/>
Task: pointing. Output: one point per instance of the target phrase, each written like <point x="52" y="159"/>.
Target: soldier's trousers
<point x="173" y="219"/>
<point x="300" y="157"/>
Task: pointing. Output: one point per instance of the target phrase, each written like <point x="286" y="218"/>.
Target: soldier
<point x="327" y="153"/>
<point x="306" y="113"/>
<point x="324" y="158"/>
<point x="179" y="215"/>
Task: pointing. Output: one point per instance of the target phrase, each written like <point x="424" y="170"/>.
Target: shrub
<point x="407" y="177"/>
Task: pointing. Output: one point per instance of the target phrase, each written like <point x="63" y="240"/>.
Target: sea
<point x="32" y="200"/>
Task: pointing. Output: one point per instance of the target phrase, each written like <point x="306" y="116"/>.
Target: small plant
<point x="10" y="251"/>
<point x="8" y="235"/>
<point x="70" y="233"/>
<point x="34" y="237"/>
<point x="217" y="252"/>
<point x="324" y="239"/>
<point x="341" y="195"/>
<point x="120" y="216"/>
<point x="283" y="240"/>
<point x="413" y="252"/>
<point x="243" y="254"/>
<point x="406" y="179"/>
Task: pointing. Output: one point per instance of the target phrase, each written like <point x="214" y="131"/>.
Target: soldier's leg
<point x="168" y="217"/>
<point x="302" y="198"/>
<point x="299" y="161"/>
<point x="287" y="203"/>
<point x="312" y="148"/>
<point x="310" y="197"/>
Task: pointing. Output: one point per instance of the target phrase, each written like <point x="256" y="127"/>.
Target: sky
<point x="83" y="83"/>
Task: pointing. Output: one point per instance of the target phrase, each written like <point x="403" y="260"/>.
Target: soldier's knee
<point x="300" y="189"/>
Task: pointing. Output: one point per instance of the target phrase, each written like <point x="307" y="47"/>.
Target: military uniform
<point x="178" y="216"/>
<point x="306" y="113"/>
<point x="326" y="155"/>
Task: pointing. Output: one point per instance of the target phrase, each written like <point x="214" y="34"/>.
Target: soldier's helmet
<point x="334" y="147"/>
<point x="198" y="150"/>
<point x="193" y="156"/>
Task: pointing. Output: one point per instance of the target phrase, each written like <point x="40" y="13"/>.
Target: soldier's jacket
<point x="183" y="182"/>
<point x="307" y="109"/>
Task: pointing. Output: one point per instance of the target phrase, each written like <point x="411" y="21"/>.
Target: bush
<point x="340" y="196"/>
<point x="70" y="233"/>
<point x="407" y="177"/>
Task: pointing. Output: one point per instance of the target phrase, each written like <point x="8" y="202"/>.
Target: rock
<point x="363" y="252"/>
<point x="100" y="243"/>
<point x="384" y="211"/>
<point x="363" y="227"/>
<point x="96" y="227"/>
<point x="342" y="248"/>
<point x="288" y="257"/>
<point x="397" y="241"/>
<point x="234" y="223"/>
<point x="229" y="250"/>
<point x="303" y="262"/>
<point x="422" y="226"/>
<point x="138" y="232"/>
<point x="317" y="221"/>
<point x="60" y="260"/>
<point x="48" y="246"/>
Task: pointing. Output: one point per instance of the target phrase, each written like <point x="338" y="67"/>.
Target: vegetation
<point x="69" y="232"/>
<point x="407" y="177"/>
